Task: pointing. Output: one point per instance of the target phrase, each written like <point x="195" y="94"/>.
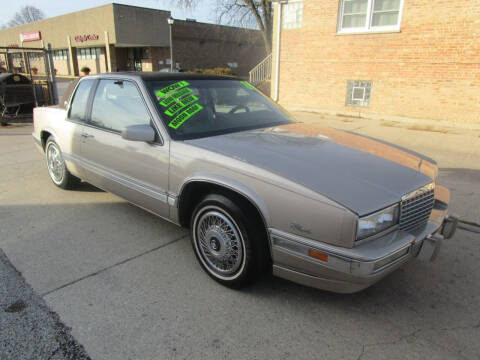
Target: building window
<point x="16" y="56"/>
<point x="35" y="56"/>
<point x="358" y="93"/>
<point x="60" y="54"/>
<point x="292" y="15"/>
<point x="88" y="53"/>
<point x="369" y="15"/>
<point x="17" y="60"/>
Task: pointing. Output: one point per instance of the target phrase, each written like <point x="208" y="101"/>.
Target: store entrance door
<point x="137" y="59"/>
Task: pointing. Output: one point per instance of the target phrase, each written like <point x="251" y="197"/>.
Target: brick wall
<point x="198" y="45"/>
<point x="431" y="69"/>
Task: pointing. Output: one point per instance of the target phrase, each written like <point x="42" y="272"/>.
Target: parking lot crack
<point x="393" y="342"/>
<point x="113" y="265"/>
<point x="414" y="334"/>
<point x="466" y="327"/>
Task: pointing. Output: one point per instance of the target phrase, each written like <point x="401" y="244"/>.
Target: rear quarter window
<point x="78" y="107"/>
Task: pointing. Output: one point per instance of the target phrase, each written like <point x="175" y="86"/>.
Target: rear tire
<point x="57" y="169"/>
<point x="228" y="244"/>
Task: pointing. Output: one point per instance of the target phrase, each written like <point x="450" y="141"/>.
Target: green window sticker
<point x="248" y="85"/>
<point x="180" y="104"/>
<point x="176" y="95"/>
<point x="185" y="115"/>
<point x="171" y="88"/>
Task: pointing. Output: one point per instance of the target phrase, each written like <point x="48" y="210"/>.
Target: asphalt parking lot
<point x="129" y="286"/>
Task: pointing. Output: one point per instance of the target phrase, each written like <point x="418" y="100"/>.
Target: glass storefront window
<point x="89" y="53"/>
<point x="60" y="54"/>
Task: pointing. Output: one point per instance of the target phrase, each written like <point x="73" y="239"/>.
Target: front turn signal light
<point x="318" y="255"/>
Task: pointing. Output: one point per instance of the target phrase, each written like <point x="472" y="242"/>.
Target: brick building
<point x="378" y="58"/>
<point x="118" y="37"/>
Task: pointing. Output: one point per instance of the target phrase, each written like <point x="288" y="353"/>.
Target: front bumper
<point x="348" y="270"/>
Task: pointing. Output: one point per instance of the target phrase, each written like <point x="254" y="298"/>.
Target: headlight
<point x="377" y="222"/>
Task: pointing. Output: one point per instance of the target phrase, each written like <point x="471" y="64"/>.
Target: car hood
<point x="357" y="172"/>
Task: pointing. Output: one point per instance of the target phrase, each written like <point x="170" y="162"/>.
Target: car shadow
<point x="86" y="187"/>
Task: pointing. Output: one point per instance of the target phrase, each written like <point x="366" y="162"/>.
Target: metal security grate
<point x="416" y="208"/>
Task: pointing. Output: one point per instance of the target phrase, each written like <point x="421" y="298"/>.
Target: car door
<point x="69" y="136"/>
<point x="134" y="170"/>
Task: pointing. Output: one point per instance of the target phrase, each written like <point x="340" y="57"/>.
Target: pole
<point x="52" y="80"/>
<point x="107" y="52"/>
<point x="34" y="87"/>
<point x="71" y="70"/>
<point x="7" y="60"/>
<point x="171" y="49"/>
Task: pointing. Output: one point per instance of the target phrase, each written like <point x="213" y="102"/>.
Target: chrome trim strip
<point x="420" y="191"/>
<point x="172" y="199"/>
<point x="157" y="193"/>
<point x="416" y="207"/>
<point x="349" y="253"/>
<point x="341" y="260"/>
<point x="263" y="214"/>
<point x="331" y="250"/>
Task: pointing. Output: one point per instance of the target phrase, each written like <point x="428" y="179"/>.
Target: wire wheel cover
<point x="55" y="163"/>
<point x="220" y="243"/>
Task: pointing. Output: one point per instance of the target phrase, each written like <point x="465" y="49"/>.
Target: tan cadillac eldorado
<point x="321" y="207"/>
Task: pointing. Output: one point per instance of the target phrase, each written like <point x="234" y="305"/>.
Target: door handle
<point x="85" y="135"/>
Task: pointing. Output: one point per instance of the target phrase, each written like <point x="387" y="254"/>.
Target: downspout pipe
<point x="277" y="50"/>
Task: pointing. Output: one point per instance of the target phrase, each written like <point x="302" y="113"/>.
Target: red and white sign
<point x="30" y="36"/>
<point x="82" y="38"/>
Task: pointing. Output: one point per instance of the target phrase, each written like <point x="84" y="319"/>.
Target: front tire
<point x="57" y="169"/>
<point x="226" y="242"/>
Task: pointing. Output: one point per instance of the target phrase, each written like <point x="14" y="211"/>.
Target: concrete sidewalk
<point x="445" y="142"/>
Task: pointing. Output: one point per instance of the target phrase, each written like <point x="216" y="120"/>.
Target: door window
<point x="78" y="108"/>
<point x="118" y="104"/>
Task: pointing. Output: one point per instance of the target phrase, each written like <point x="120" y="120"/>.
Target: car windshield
<point x="200" y="108"/>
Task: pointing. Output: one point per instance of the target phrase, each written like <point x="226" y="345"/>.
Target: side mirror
<point x="143" y="133"/>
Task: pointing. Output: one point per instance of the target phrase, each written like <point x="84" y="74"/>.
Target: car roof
<point x="134" y="75"/>
<point x="164" y="76"/>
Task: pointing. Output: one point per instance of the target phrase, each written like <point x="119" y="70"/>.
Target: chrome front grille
<point x="416" y="207"/>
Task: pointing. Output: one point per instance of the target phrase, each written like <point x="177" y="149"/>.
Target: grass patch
<point x="348" y="116"/>
<point x="431" y="128"/>
<point x="389" y="123"/>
